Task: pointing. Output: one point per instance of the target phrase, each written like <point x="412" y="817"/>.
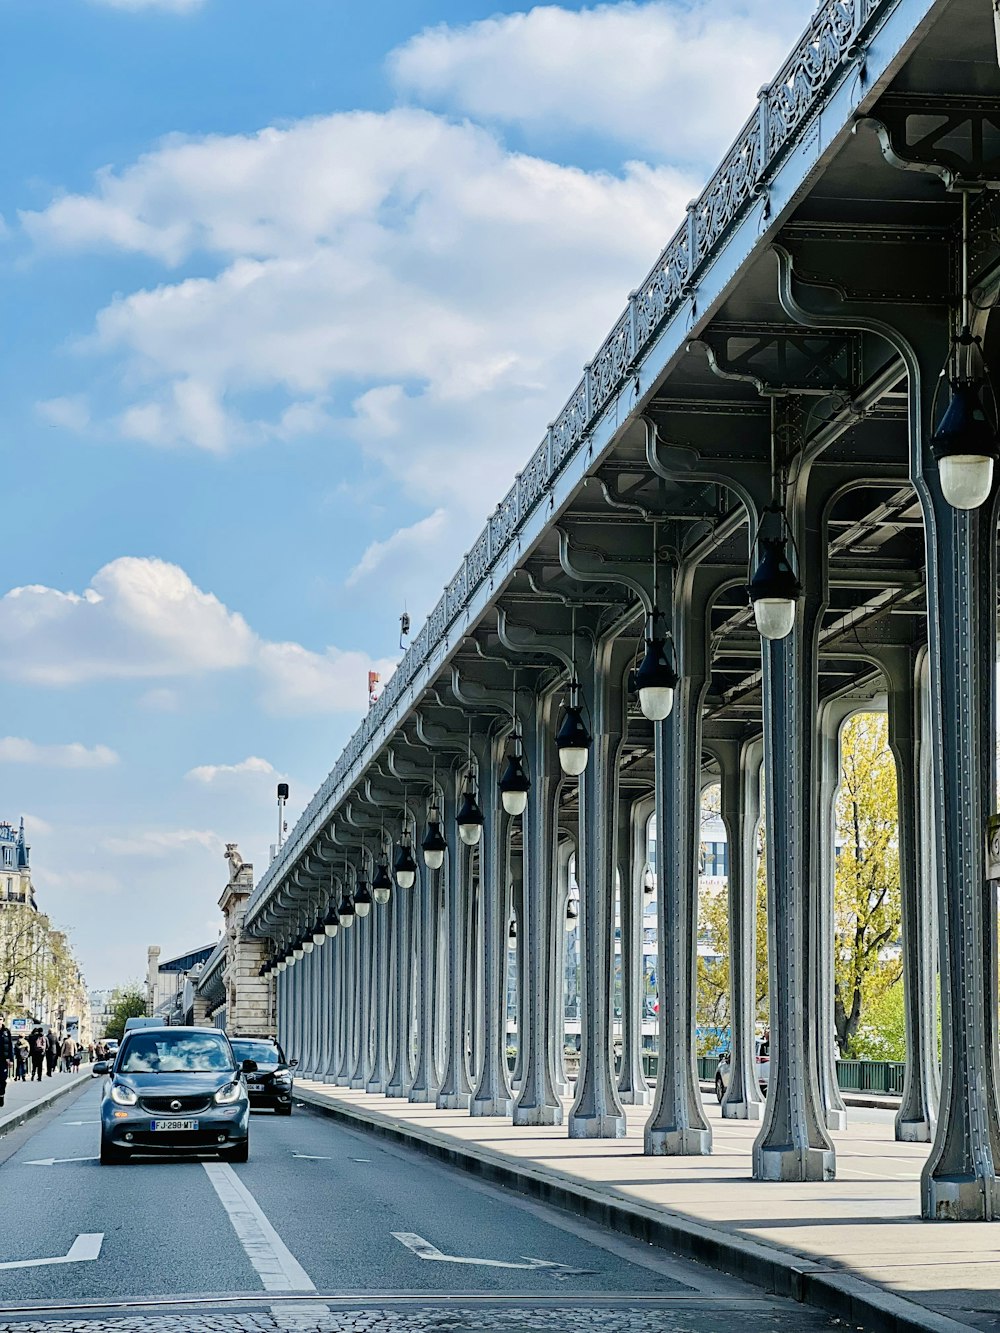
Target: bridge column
<point x="455" y="1089"/>
<point x="360" y="944"/>
<point x="832" y="716"/>
<point x="345" y="943"/>
<point x="328" y="1010"/>
<point x="793" y="1143"/>
<point x="537" y="1102"/>
<point x="597" y="1112"/>
<point x="377" y="1076"/>
<point x="422" y="1088"/>
<point x="917" y="1113"/>
<point x="515" y="913"/>
<point x="739" y="766"/>
<point x="565" y="850"/>
<point x="399" y="1062"/>
<point x="492" y="1095"/>
<point x="959" y="1180"/>
<point x="316" y="1006"/>
<point x="677" y="1126"/>
<point x="633" y="815"/>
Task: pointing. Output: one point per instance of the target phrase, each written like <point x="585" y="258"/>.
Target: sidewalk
<point x="24" y="1100"/>
<point x="855" y="1245"/>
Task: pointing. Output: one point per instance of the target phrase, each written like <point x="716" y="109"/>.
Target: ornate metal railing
<point x="826" y="49"/>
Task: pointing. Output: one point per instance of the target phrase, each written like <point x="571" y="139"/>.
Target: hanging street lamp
<point x="655" y="677"/>
<point x="331" y="922"/>
<point x="572" y="913"/>
<point x="346" y="909"/>
<point x="573" y="740"/>
<point x="774" y="590"/>
<point x="404" y="868"/>
<point x="362" y="894"/>
<point x="381" y="882"/>
<point x="470" y="817"/>
<point x="433" y="845"/>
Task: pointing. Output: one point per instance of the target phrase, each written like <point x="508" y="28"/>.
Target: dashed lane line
<point x="277" y="1268"/>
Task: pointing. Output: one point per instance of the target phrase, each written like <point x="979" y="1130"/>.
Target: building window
<point x="8" y="856"/>
<point x="716" y="862"/>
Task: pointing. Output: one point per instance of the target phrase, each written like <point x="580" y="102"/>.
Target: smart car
<point x="174" y="1090"/>
<point x="271" y="1083"/>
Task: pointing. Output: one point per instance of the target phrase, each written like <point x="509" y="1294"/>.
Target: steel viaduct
<point x="797" y="397"/>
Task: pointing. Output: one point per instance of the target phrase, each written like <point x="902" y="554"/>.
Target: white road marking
<point x="83" y="1249"/>
<point x="308" y="1157"/>
<point x="55" y="1161"/>
<point x="276" y="1266"/>
<point x="423" y="1249"/>
<point x="79" y="1122"/>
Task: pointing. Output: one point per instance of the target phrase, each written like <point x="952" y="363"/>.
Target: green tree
<point x="128" y="1001"/>
<point x="867" y="962"/>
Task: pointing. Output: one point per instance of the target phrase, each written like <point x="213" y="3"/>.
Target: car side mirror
<point x="100" y="1067"/>
<point x="292" y="1063"/>
<point x="249" y="1066"/>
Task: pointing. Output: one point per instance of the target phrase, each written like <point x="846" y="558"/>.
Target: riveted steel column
<point x="492" y="1096"/>
<point x="422" y="1088"/>
<point x="328" y="1004"/>
<point x="565" y="851"/>
<point x="832" y="716"/>
<point x="917" y="1114"/>
<point x="739" y="765"/>
<point x="959" y="1179"/>
<point x="399" y="1060"/>
<point x="597" y="1112"/>
<point x="677" y="1125"/>
<point x="360" y="944"/>
<point x="793" y="1143"/>
<point x="347" y="1001"/>
<point x="378" y="1076"/>
<point x="515" y="913"/>
<point x="633" y="817"/>
<point x="456" y="1089"/>
<point x="537" y="1102"/>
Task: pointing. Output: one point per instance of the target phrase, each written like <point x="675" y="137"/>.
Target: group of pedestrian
<point x="38" y="1050"/>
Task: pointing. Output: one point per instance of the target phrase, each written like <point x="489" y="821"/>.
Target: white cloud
<point x="161" y="699"/>
<point x="673" y="80"/>
<point x="16" y="750"/>
<point x="67" y="413"/>
<point x="403" y="546"/>
<point x="162" y="842"/>
<point x="169" y="6"/>
<point x="252" y="765"/>
<point x="146" y="618"/>
<point x="447" y="287"/>
<point x="36" y="825"/>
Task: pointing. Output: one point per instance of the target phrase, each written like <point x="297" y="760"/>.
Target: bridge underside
<point x="785" y="391"/>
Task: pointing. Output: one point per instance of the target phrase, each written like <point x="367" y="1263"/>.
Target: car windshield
<point x="262" y="1052"/>
<point x="175" y="1053"/>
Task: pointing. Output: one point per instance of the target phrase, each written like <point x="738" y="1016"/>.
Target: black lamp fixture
<point x="307" y="940"/>
<point x="470" y="817"/>
<point x="965" y="442"/>
<point x="319" y="932"/>
<point x="331" y="922"/>
<point x="572" y="913"/>
<point x="297" y="951"/>
<point x="404" y="868"/>
<point x="514" y="782"/>
<point x="346" y="909"/>
<point x="362" y="893"/>
<point x="381" y="881"/>
<point x="649" y="881"/>
<point x="655" y="678"/>
<point x="512" y="933"/>
<point x="773" y="588"/>
<point x="433" y="844"/>
<point x="573" y="740"/>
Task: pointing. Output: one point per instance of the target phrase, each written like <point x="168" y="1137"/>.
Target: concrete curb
<point x="13" y="1119"/>
<point x="870" y="1100"/>
<point x="775" y="1270"/>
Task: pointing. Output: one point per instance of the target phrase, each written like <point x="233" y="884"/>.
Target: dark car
<point x="271" y="1082"/>
<point x="172" y="1090"/>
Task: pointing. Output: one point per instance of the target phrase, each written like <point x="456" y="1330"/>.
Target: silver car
<point x="762" y="1062"/>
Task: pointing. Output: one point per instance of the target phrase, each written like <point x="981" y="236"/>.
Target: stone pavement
<point x="854" y="1245"/>
<point x="24" y="1100"/>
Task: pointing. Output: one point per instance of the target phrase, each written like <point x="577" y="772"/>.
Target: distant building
<point x="166" y="994"/>
<point x="15" y="866"/>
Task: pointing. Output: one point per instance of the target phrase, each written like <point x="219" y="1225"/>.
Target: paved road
<point x="324" y="1228"/>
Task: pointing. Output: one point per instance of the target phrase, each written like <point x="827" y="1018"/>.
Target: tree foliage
<point x="128" y="1001"/>
<point x="37" y="966"/>
<point x="867" y="914"/>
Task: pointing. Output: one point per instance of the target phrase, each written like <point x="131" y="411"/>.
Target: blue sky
<point x="289" y="292"/>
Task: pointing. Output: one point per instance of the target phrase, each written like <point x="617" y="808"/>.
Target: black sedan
<point x="171" y="1090"/>
<point x="271" y="1082"/>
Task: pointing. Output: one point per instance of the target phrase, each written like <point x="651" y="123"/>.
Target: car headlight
<point x="232" y="1092"/>
<point x="282" y="1080"/>
<point x="123" y="1095"/>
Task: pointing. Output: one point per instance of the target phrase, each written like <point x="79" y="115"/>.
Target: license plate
<point x="168" y="1125"/>
<point x="255" y="1083"/>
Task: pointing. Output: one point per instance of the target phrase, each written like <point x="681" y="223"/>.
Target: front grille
<point x="167" y="1105"/>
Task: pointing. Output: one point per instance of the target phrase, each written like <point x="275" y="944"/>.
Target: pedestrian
<point x="20" y="1060"/>
<point x="6" y="1056"/>
<point x="51" y="1052"/>
<point x="66" y="1054"/>
<point x="36" y="1049"/>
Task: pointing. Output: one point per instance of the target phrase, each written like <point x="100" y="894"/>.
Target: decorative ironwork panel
<point x="805" y="74"/>
<point x="504" y="521"/>
<point x="569" y="425"/>
<point x="438" y="622"/>
<point x="611" y="362"/>
<point x="456" y="593"/>
<point x="533" y="479"/>
<point x="478" y="559"/>
<point x="663" y="289"/>
<point x="730" y="190"/>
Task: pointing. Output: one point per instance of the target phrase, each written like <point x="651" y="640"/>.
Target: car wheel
<point x="240" y="1153"/>
<point x="720" y="1087"/>
<point x="111" y="1156"/>
<point x="283" y="1110"/>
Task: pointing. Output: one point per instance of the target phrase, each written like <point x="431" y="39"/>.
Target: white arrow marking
<point x="83" y="1249"/>
<point x="54" y="1161"/>
<point x="423" y="1249"/>
<point x="308" y="1157"/>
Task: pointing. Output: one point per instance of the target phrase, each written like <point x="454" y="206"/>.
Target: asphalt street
<point x="324" y="1228"/>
